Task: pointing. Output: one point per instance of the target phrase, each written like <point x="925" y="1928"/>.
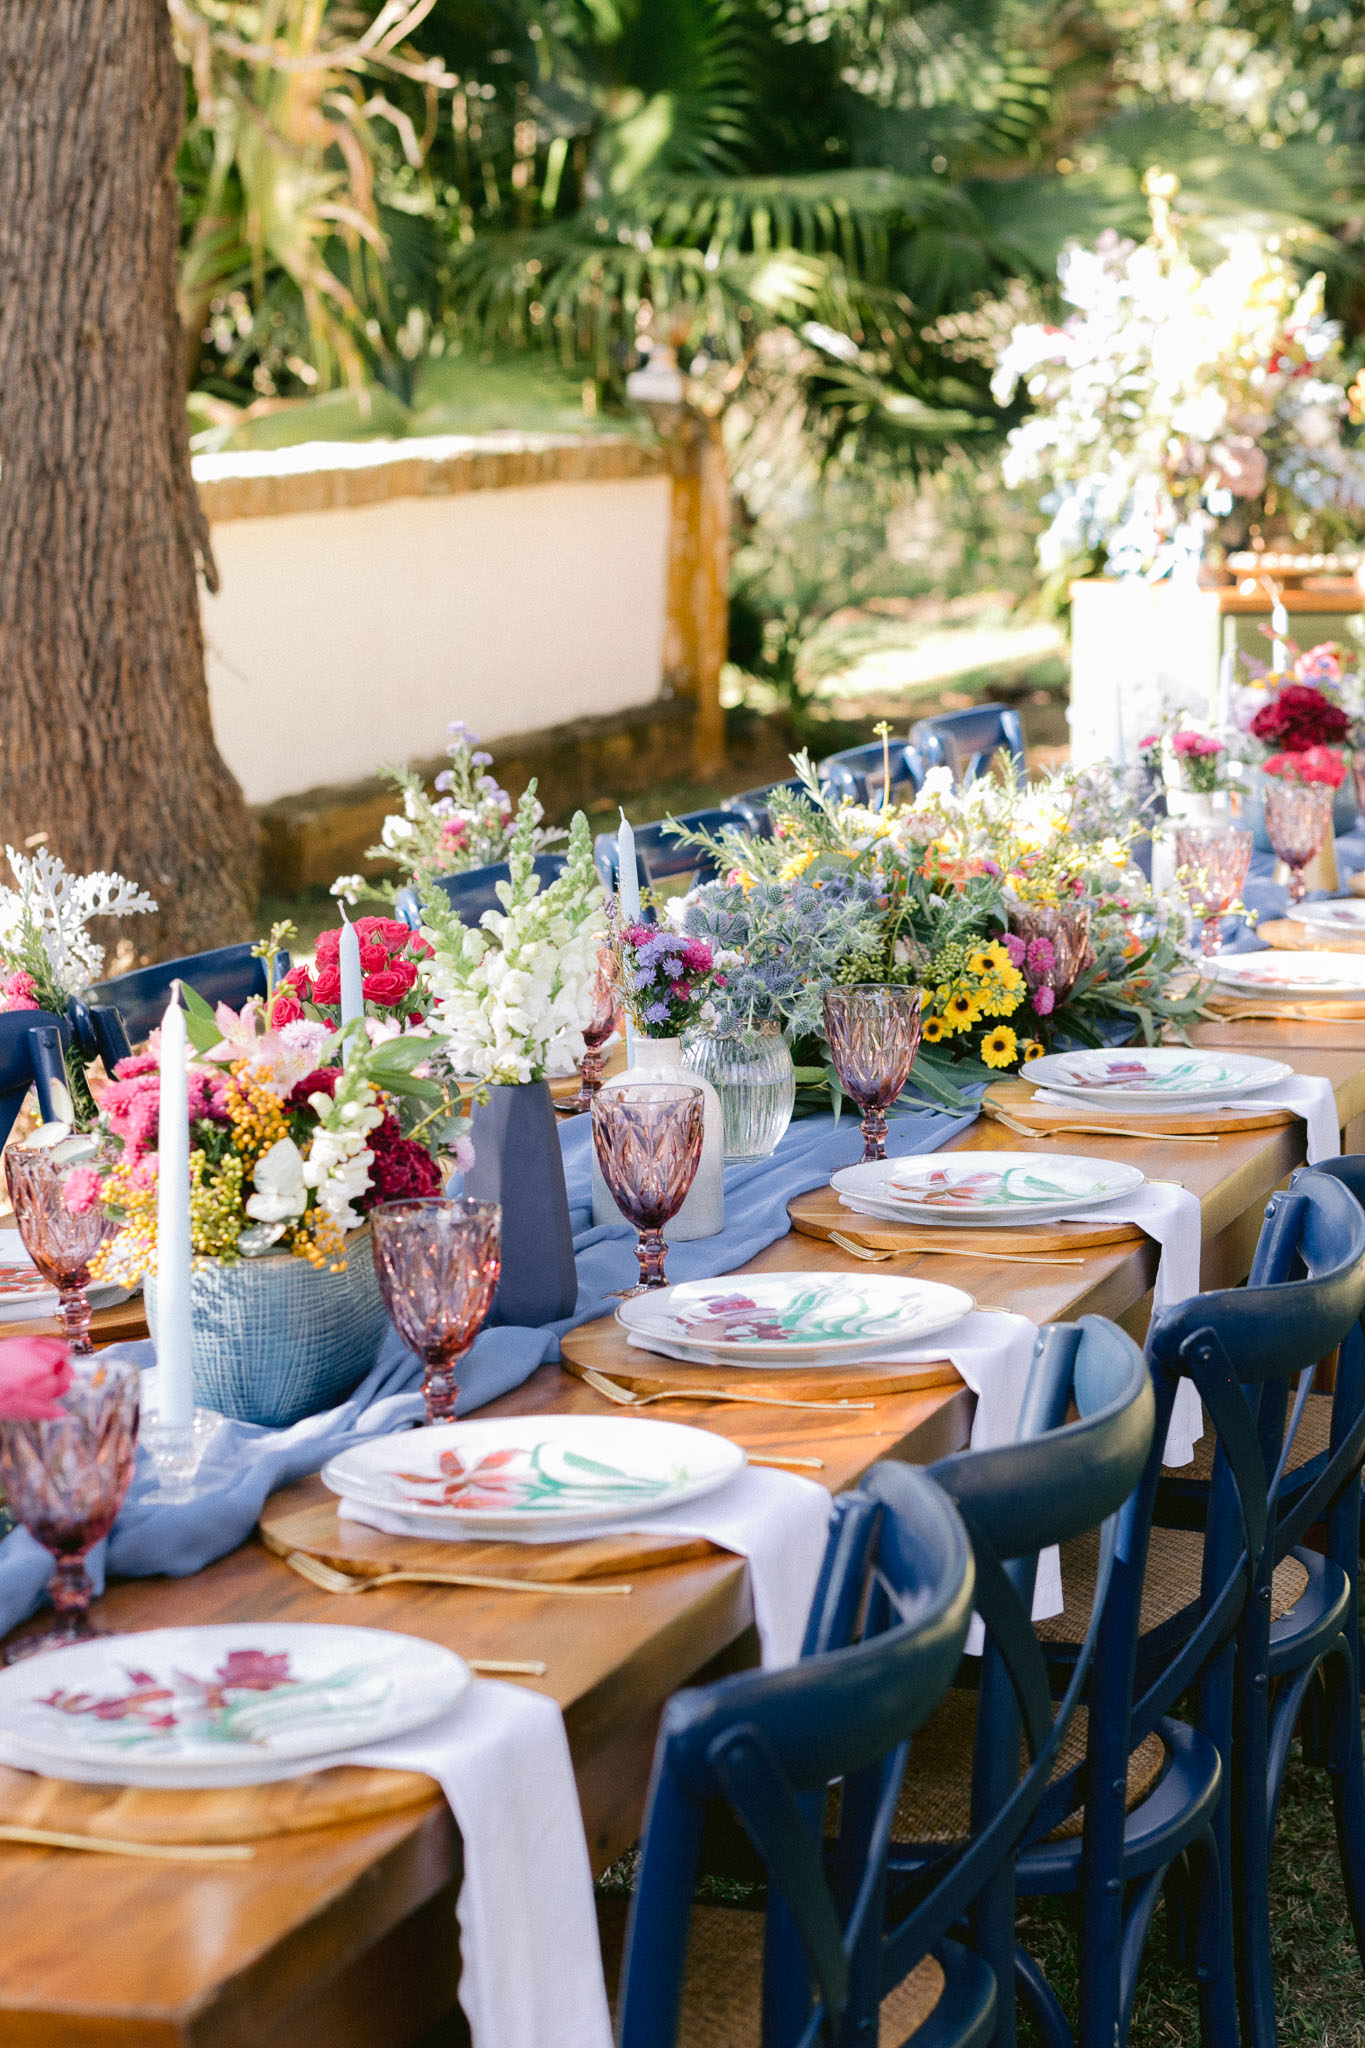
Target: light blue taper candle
<point x="352" y="980"/>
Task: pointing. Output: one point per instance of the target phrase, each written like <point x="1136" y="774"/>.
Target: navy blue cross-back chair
<point x="31" y="1044"/>
<point x="471" y="893"/>
<point x="1195" y="1569"/>
<point x="118" y="1014"/>
<point x="750" y="807"/>
<point x="768" y="1745"/>
<point x="1298" y="1651"/>
<point x="965" y="741"/>
<point x="968" y="1811"/>
<point x="660" y="856"/>
<point x="859" y="773"/>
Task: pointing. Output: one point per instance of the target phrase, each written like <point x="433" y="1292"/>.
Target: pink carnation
<point x="81" y="1190"/>
<point x="34" y="1373"/>
<point x="1308" y="764"/>
<point x="132" y="1107"/>
<point x="1202" y="745"/>
<point x="1015" y="947"/>
<point x="1044" y="1000"/>
<point x="20" y="992"/>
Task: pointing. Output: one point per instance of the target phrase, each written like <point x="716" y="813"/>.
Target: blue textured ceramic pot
<point x="276" y="1339"/>
<point x="518" y="1163"/>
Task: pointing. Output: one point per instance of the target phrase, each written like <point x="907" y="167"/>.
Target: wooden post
<point x="697" y="627"/>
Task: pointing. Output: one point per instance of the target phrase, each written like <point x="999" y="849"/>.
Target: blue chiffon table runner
<point x="246" y="1463"/>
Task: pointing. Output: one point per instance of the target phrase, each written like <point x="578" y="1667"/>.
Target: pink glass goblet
<point x="60" y="1241"/>
<point x="65" y="1480"/>
<point x="873" y="1030"/>
<point x="648" y="1137"/>
<point x="1217" y="858"/>
<point x="1298" y="817"/>
<point x="1358" y="782"/>
<point x="596" y="1032"/>
<point x="438" y="1260"/>
<point x="1056" y="942"/>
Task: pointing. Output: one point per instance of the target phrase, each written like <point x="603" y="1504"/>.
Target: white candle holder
<point x="177" y="1451"/>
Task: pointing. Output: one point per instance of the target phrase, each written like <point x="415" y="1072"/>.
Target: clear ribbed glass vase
<point x="751" y="1071"/>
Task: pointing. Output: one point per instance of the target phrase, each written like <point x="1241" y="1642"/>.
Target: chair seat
<point x="935" y="1801"/>
<point x="722" y="1991"/>
<point x="1312" y="1439"/>
<point x="1171" y="1584"/>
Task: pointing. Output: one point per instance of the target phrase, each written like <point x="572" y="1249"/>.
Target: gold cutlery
<point x="796" y="1464"/>
<point x="879" y="1254"/>
<point x="110" y="1845"/>
<point x="507" y="1667"/>
<point x="329" y="1579"/>
<point x="626" y="1397"/>
<point x="1025" y="1130"/>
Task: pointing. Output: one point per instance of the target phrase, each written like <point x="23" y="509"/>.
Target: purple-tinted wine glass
<point x="438" y="1260"/>
<point x="1298" y="817"/>
<point x="1217" y="858"/>
<point x="65" y="1480"/>
<point x="596" y="1032"/>
<point x="648" y="1137"/>
<point x="873" y="1031"/>
<point x="60" y="1241"/>
<point x="1056" y="940"/>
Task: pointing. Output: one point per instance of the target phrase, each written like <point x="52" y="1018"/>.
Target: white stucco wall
<point x="1138" y="651"/>
<point x="345" y="638"/>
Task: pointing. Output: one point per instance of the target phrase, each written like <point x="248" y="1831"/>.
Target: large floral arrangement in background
<point x="925" y="893"/>
<point x="510" y="995"/>
<point x="1305" y="714"/>
<point x="1173" y="400"/>
<point x="289" y="1147"/>
<point x="391" y="961"/>
<point x="468" y="823"/>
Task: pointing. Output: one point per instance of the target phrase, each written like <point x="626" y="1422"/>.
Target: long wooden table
<point x="345" y="1937"/>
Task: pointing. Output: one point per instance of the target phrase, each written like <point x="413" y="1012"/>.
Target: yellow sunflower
<point x="933" y="1030"/>
<point x="980" y="964"/>
<point x="1032" y="1049"/>
<point x="1000" y="1048"/>
<point x="795" y="865"/>
<point x="961" y="1010"/>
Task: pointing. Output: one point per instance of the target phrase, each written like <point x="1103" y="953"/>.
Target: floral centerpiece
<point x="47" y="954"/>
<point x="666" y="979"/>
<point x="1016" y="925"/>
<point x="509" y="998"/>
<point x="391" y="959"/>
<point x="1173" y="405"/>
<point x="468" y="823"/>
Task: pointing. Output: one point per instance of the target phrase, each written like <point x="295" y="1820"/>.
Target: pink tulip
<point x="34" y="1373"/>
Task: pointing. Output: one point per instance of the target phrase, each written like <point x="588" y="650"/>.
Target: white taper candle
<point x="628" y="874"/>
<point x="175" y="1365"/>
<point x="352" y="980"/>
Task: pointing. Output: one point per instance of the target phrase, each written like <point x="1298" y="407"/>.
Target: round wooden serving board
<point x="1018" y="1101"/>
<point x="646" y="1373"/>
<point x="1291" y="937"/>
<point x="821" y="1212"/>
<point x="247" y="1813"/>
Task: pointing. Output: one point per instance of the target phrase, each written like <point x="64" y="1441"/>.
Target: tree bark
<point x="106" y="744"/>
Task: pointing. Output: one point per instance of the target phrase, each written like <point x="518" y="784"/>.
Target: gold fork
<point x="876" y="1256"/>
<point x="111" y="1845"/>
<point x="626" y="1397"/>
<point x="1024" y="1130"/>
<point x="328" y="1579"/>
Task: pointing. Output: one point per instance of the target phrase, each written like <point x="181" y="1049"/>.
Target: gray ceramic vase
<point x="517" y="1162"/>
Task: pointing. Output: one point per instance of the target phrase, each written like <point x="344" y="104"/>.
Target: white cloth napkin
<point x="777" y="1520"/>
<point x="1309" y="1096"/>
<point x="532" y="1969"/>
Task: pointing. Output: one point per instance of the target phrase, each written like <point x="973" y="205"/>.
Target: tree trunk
<point x="105" y="740"/>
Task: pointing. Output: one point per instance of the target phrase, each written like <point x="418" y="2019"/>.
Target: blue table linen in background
<point x="247" y="1463"/>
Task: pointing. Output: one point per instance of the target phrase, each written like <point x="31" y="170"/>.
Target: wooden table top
<point x="349" y="1929"/>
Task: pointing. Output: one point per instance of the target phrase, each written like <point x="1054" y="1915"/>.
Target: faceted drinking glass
<point x="596" y="1032"/>
<point x="1298" y="817"/>
<point x="873" y="1031"/>
<point x="65" y="1481"/>
<point x="1217" y="858"/>
<point x="648" y="1137"/>
<point x="1055" y="942"/>
<point x="60" y="1242"/>
<point x="437" y="1260"/>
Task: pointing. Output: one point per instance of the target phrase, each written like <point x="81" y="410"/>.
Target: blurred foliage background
<point x="456" y="215"/>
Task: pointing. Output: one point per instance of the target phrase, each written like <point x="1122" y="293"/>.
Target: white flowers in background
<point x="349" y="889"/>
<point x="515" y="990"/>
<point x="1170" y="395"/>
<point x="43" y="921"/>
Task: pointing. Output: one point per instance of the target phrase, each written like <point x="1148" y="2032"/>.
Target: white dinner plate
<point x="794" y="1318"/>
<point x="25" y="1295"/>
<point x="995" y="1188"/>
<point x="1153" y="1077"/>
<point x="533" y="1473"/>
<point x="1338" y="913"/>
<point x="1291" y="974"/>
<point x="230" y="1703"/>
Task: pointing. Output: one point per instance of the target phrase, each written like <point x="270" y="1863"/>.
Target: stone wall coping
<point x="327" y="476"/>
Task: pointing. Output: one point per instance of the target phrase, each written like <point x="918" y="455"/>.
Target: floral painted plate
<point x="994" y="1188"/>
<point x="535" y="1473"/>
<point x="1153" y="1077"/>
<point x="794" y="1319"/>
<point x="1345" y="914"/>
<point x="1291" y="974"/>
<point x="237" y="1703"/>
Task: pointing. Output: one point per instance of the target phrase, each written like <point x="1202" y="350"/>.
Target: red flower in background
<point x="1298" y="717"/>
<point x="1308" y="764"/>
